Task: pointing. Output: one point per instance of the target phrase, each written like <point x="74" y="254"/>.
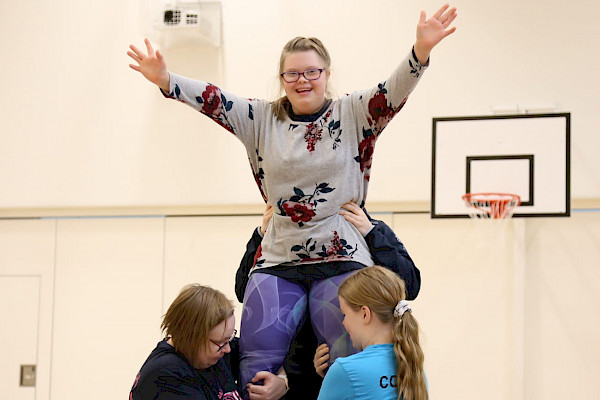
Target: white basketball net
<point x="491" y="205"/>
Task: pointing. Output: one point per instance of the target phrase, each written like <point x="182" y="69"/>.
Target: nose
<point x="302" y="78"/>
<point x="227" y="348"/>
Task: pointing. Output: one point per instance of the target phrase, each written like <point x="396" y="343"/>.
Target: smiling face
<point x="306" y="97"/>
<point x="210" y="354"/>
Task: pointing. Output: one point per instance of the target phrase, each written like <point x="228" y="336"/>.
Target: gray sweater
<point x="308" y="170"/>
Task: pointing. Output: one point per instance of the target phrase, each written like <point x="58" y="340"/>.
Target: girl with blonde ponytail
<point x="380" y="324"/>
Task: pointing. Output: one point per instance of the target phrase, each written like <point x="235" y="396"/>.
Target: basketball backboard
<point x="525" y="154"/>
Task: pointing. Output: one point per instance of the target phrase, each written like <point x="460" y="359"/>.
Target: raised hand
<point x="433" y="30"/>
<point x="152" y="65"/>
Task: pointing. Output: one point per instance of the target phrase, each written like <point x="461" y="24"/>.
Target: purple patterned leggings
<point x="273" y="310"/>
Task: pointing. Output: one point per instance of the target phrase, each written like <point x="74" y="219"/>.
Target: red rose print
<point x="211" y="100"/>
<point x="298" y="211"/>
<point x="312" y="136"/>
<point x="378" y="107"/>
<point x="336" y="245"/>
<point x="258" y="254"/>
<point x="365" y="151"/>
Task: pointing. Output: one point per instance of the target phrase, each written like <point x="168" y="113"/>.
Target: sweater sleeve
<point x="388" y="251"/>
<point x="381" y="103"/>
<point x="336" y="385"/>
<point x="233" y="113"/>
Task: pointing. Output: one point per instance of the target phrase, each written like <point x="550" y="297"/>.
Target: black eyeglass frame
<point x="222" y="346"/>
<point x="303" y="73"/>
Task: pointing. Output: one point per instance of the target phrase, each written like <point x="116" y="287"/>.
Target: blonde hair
<point x="380" y="289"/>
<point x="192" y="315"/>
<point x="297" y="45"/>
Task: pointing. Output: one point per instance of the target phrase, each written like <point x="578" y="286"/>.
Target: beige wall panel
<point x="464" y="307"/>
<point x="107" y="304"/>
<point x="205" y="250"/>
<point x="562" y="308"/>
<point x="27" y="249"/>
<point x="19" y="304"/>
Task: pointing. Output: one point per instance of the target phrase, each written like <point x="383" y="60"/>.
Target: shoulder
<point x="165" y="363"/>
<point x="336" y="384"/>
<point x="372" y="357"/>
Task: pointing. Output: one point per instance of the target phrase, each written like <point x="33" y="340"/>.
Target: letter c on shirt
<point x="382" y="380"/>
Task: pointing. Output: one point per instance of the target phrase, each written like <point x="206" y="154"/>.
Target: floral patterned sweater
<point x="308" y="170"/>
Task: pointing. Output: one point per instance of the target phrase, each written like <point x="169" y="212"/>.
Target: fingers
<point x="350" y="217"/>
<point x="149" y="47"/>
<point x="260" y="375"/>
<point x="422" y="18"/>
<point x="136" y="55"/>
<point x="256" y="391"/>
<point x="322" y="365"/>
<point x="448" y="17"/>
<point x="320" y="359"/>
<point x="439" y="12"/>
<point x="352" y="207"/>
<point x="449" y="31"/>
<point x="322" y="349"/>
<point x="267" y="215"/>
<point x="352" y="212"/>
<point x="137" y="51"/>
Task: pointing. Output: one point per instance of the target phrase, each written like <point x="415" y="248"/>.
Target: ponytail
<point x="384" y="292"/>
<point x="409" y="356"/>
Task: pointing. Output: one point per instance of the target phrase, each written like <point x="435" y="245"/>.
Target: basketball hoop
<point x="491" y="205"/>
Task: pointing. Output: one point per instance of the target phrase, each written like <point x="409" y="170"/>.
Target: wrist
<point x="164" y="83"/>
<point x="421" y="53"/>
<point x="365" y="231"/>
<point x="285" y="380"/>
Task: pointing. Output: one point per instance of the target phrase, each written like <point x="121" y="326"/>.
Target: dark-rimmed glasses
<point x="221" y="346"/>
<point x="309" y="75"/>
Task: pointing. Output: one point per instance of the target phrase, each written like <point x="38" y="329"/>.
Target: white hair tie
<point x="401" y="308"/>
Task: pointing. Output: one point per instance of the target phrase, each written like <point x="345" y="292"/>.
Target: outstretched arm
<point x="433" y="30"/>
<point x="151" y="64"/>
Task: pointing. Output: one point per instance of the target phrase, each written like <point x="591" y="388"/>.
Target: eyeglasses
<point x="309" y="75"/>
<point x="221" y="346"/>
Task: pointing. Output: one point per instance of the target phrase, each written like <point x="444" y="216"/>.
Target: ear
<point x="366" y="314"/>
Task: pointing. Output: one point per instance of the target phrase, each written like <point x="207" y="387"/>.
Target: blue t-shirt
<point x="370" y="374"/>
